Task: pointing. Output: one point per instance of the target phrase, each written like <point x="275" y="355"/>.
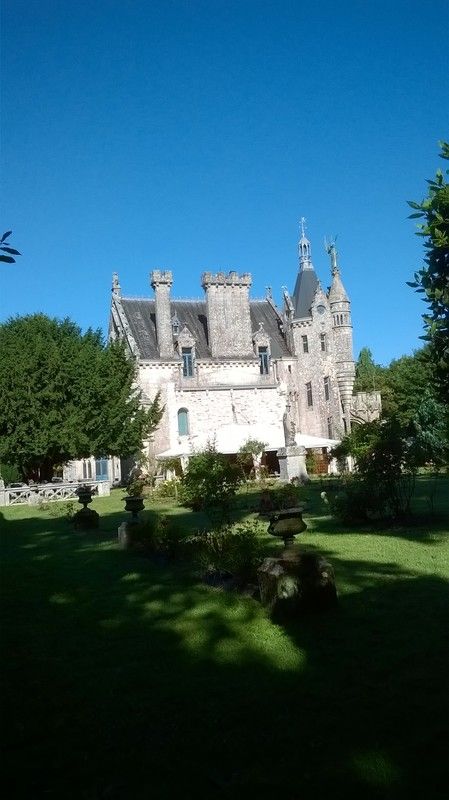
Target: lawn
<point x="124" y="678"/>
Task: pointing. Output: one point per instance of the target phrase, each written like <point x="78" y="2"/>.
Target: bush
<point x="358" y="501"/>
<point x="166" y="489"/>
<point x="235" y="549"/>
<point x="210" y="483"/>
<point x="157" y="535"/>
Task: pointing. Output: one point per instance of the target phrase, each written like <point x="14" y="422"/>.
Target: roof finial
<point x="305" y="258"/>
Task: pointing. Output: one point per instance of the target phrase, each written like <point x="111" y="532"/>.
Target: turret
<point x="307" y="281"/>
<point x="161" y="282"/>
<point x="342" y="334"/>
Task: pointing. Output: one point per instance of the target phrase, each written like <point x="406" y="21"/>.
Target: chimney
<point x="161" y="282"/>
<point x="228" y="314"/>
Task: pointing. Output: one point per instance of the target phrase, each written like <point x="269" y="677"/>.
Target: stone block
<point x="295" y="583"/>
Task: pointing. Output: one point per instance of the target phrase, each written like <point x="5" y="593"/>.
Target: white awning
<point x="230" y="438"/>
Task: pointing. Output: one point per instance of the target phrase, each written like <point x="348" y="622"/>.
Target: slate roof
<point x="304" y="292"/>
<point x="141" y="317"/>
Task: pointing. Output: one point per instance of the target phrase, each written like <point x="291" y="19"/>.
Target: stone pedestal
<point x="86" y="520"/>
<point x="296" y="582"/>
<point x="292" y="463"/>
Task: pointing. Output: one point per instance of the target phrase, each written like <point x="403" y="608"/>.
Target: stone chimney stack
<point x="228" y="314"/>
<point x="161" y="282"/>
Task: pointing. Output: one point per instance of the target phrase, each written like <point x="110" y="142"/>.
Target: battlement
<point x="232" y="278"/>
<point x="160" y="277"/>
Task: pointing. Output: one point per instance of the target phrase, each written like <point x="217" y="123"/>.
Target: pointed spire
<point x="304" y="249"/>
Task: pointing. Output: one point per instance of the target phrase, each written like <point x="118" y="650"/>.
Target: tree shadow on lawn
<point x="125" y="679"/>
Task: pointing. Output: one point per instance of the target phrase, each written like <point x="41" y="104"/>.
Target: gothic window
<point x="309" y="395"/>
<point x="183" y="422"/>
<point x="330" y="428"/>
<point x="323" y="342"/>
<point x="264" y="360"/>
<point x="305" y="344"/>
<point x="187" y="362"/>
<point x="327" y="387"/>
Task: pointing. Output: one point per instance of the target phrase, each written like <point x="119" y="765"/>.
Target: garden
<point x="129" y="675"/>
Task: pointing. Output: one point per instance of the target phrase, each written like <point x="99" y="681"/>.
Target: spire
<point x="304" y="250"/>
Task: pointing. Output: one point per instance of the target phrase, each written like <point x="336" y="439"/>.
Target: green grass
<point x="123" y="678"/>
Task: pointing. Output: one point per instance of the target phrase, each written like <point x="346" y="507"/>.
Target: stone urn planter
<point x="134" y="504"/>
<point x="86" y="518"/>
<point x="286" y="524"/>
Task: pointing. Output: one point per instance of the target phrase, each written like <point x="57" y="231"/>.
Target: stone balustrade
<point x="49" y="493"/>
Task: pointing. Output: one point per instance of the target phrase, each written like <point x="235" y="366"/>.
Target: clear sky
<point x="193" y="134"/>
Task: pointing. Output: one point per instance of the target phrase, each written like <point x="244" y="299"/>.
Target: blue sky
<point x="194" y="135"/>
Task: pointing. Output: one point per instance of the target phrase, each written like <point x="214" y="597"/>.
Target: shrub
<point x="209" y="483"/>
<point x="236" y="549"/>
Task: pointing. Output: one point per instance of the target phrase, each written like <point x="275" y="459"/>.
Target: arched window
<point x="183" y="422"/>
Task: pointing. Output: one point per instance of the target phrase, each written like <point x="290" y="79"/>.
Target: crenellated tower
<point x="228" y="314"/>
<point x="162" y="281"/>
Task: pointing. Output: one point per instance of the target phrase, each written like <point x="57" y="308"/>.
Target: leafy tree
<point x="385" y="467"/>
<point x="405" y="381"/>
<point x="66" y="395"/>
<point x="368" y="375"/>
<point x="5" y="247"/>
<point x="432" y="280"/>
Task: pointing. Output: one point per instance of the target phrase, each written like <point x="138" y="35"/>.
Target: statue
<point x="331" y="250"/>
<point x="289" y="427"/>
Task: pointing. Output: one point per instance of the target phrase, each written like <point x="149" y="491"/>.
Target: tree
<point x="66" y="395"/>
<point x="405" y="381"/>
<point x="432" y="280"/>
<point x="368" y="375"/>
<point x="6" y="248"/>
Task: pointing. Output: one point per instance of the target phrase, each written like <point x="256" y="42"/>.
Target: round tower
<point x="342" y="334"/>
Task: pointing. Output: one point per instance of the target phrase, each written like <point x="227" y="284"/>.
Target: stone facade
<point x="228" y="360"/>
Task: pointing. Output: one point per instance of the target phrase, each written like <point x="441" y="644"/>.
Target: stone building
<point x="227" y="366"/>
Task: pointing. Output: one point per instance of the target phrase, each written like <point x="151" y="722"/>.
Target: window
<point x="183" y="422"/>
<point x="175" y="326"/>
<point x="187" y="362"/>
<point x="330" y="428"/>
<point x="327" y="384"/>
<point x="309" y="395"/>
<point x="305" y="344"/>
<point x="101" y="469"/>
<point x="289" y="367"/>
<point x="264" y="360"/>
<point x="345" y="427"/>
<point x="323" y="342"/>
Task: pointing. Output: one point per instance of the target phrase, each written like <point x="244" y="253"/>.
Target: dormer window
<point x="187" y="362"/>
<point x="175" y="325"/>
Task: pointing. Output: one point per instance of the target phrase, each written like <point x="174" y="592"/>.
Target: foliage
<point x="430" y="433"/>
<point x="157" y="535"/>
<point x="5" y="247"/>
<point x="164" y="489"/>
<point x="432" y="280"/>
<point x="10" y="473"/>
<point x="64" y="509"/>
<point x="401" y="384"/>
<point x="236" y="549"/>
<point x="368" y="375"/>
<point x="210" y="482"/>
<point x="385" y="465"/>
<point x="135" y="487"/>
<point x="66" y="395"/>
<point x="249" y="456"/>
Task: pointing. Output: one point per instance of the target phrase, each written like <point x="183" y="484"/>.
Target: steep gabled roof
<point x="141" y="316"/>
<point x="304" y="292"/>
